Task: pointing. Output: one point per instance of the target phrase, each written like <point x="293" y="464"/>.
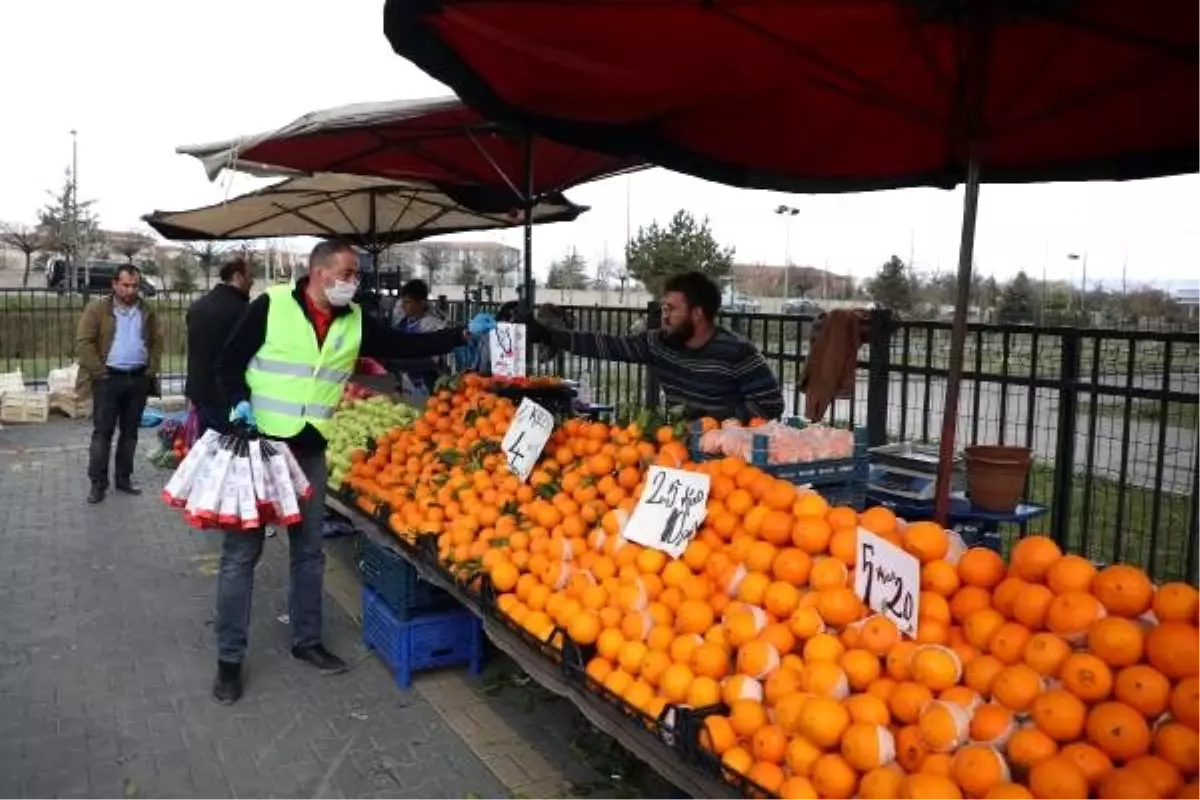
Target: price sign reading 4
<point x="526" y="437"/>
<point x="888" y="580"/>
<point x="672" y="506"/>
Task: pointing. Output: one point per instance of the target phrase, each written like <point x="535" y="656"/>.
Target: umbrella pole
<point x="958" y="338"/>
<point x="527" y="300"/>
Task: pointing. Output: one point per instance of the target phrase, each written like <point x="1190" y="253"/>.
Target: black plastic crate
<point x="558" y="400"/>
<point x="397" y="583"/>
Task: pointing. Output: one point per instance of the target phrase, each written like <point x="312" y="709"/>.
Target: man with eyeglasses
<point x="283" y="370"/>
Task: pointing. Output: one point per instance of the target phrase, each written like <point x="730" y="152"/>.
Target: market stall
<point x="776" y="643"/>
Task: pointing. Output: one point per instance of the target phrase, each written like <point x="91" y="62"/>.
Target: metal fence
<point x="1112" y="416"/>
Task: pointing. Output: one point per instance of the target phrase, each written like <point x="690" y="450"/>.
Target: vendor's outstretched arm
<point x="381" y="342"/>
<point x="762" y="393"/>
<point x="626" y="349"/>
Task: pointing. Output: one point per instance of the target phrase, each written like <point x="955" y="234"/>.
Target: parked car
<point x="97" y="277"/>
<point x="800" y="307"/>
<point x="738" y="303"/>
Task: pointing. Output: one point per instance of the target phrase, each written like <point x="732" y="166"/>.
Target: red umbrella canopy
<point x="832" y="95"/>
<point x="439" y="141"/>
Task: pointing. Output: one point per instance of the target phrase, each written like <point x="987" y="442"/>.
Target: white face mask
<point x="341" y="293"/>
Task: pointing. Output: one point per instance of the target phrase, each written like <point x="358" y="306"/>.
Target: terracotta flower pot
<point x="996" y="475"/>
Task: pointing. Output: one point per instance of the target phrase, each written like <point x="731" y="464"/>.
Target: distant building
<point x="495" y="263"/>
<point x="1187" y="294"/>
<point x="767" y="280"/>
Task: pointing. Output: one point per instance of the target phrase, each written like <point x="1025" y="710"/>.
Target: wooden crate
<point x="24" y="407"/>
<point x="168" y="403"/>
<point x="71" y="404"/>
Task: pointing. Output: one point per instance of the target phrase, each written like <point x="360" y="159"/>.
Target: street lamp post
<point x="72" y="212"/>
<point x="1083" y="283"/>
<point x="788" y="212"/>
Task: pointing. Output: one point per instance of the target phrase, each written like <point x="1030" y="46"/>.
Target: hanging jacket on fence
<point x="829" y="371"/>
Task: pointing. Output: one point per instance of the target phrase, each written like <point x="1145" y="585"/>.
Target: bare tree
<point x="130" y="243"/>
<point x="468" y="272"/>
<point x="606" y="272"/>
<point x="434" y="260"/>
<point x="207" y="254"/>
<point x="26" y="239"/>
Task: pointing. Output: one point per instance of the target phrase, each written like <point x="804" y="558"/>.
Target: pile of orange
<point x="1039" y="677"/>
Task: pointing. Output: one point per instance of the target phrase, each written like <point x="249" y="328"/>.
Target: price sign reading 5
<point x="888" y="580"/>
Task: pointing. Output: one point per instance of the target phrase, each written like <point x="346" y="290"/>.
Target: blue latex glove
<point x="481" y="324"/>
<point x="243" y="413"/>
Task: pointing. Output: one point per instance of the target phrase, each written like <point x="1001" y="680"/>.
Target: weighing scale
<point x="908" y="471"/>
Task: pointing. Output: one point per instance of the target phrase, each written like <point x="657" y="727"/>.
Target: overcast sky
<point x="136" y="78"/>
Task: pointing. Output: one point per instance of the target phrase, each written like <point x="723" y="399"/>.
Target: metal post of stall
<point x="527" y="299"/>
<point x="958" y="338"/>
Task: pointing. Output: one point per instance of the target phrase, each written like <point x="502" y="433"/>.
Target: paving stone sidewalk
<point x="107" y="653"/>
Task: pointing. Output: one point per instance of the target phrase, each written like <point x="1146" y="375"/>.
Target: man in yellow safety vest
<point x="282" y="370"/>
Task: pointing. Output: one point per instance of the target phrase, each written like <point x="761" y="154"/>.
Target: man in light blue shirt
<point x="119" y="347"/>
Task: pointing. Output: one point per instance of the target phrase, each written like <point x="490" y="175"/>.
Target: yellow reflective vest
<point x="294" y="381"/>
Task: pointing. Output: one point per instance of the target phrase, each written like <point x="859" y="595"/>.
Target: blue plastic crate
<point x="449" y="639"/>
<point x="845" y="475"/>
<point x="397" y="583"/>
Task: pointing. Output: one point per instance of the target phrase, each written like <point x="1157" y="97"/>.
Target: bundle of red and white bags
<point x="238" y="481"/>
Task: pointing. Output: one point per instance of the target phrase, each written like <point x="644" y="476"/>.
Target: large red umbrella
<point x="836" y="95"/>
<point x="481" y="164"/>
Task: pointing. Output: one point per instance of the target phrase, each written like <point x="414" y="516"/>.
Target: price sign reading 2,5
<point x="888" y="580"/>
<point x="673" y="505"/>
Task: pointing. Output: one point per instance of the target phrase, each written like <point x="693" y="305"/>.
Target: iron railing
<point x="1111" y="415"/>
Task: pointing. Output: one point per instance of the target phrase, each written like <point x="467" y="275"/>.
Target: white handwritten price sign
<point x="888" y="580"/>
<point x="672" y="506"/>
<point x="526" y="437"/>
<point x="506" y="347"/>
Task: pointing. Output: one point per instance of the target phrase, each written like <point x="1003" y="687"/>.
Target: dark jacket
<point x="209" y="321"/>
<point x="94" y="338"/>
<point x="378" y="342"/>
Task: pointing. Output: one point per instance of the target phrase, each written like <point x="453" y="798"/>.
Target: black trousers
<point x="117" y="405"/>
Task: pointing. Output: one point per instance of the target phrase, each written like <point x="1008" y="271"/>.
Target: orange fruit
<point x="967" y="600"/>
<point x="1071" y="573"/>
<point x="878" y="635"/>
<point x="992" y="723"/>
<point x="1119" y="730"/>
<point x="823" y="720"/>
<point x="801" y="756"/>
<point x="1117" y="641"/>
<point x="977" y="768"/>
<point x="910" y="748"/>
<point x="1185" y="702"/>
<point x="1028" y="746"/>
<point x="1087" y="677"/>
<point x="718" y="735"/>
<point x="881" y="783"/>
<point x="832" y="776"/>
<point x="1144" y="688"/>
<point x="1123" y="590"/>
<point x="1016" y="687"/>
<point x="746" y="717"/>
<point x="1059" y="714"/>
<point x="1160" y="773"/>
<point x="1176" y="602"/>
<point x="1008" y="642"/>
<point x="866" y="746"/>
<point x="922" y="785"/>
<point x="1058" y="777"/>
<point x="769" y="743"/>
<point x="925" y="540"/>
<point x="1174" y="649"/>
<point x="1124" y="783"/>
<point x="1030" y="606"/>
<point x="1045" y="653"/>
<point x="981" y="673"/>
<point x="1090" y="759"/>
<point x="1180" y="745"/>
<point x="1072" y="615"/>
<point x="981" y="566"/>
<point x="1005" y="595"/>
<point x="1032" y="558"/>
<point x="940" y="577"/>
<point x="907" y="700"/>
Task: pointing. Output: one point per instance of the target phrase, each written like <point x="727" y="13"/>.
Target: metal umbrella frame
<point x="439" y="140"/>
<point x="371" y="213"/>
